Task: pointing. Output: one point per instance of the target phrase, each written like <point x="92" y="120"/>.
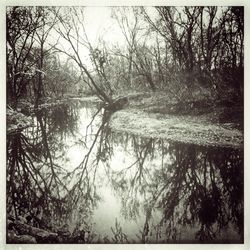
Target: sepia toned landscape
<point x="125" y="125"/>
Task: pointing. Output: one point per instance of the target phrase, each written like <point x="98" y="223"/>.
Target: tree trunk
<point x="40" y="79"/>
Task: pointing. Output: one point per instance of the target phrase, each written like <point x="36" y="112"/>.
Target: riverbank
<point x="198" y="121"/>
<point x="201" y="122"/>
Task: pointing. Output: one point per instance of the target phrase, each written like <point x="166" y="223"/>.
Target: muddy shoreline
<point x="146" y="116"/>
<point x="175" y="128"/>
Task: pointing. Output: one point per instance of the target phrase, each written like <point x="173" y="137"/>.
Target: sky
<point x="98" y="23"/>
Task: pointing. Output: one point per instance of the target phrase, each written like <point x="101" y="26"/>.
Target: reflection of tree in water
<point x="174" y="187"/>
<point x="34" y="185"/>
<point x="83" y="194"/>
<point x="197" y="183"/>
<point x="64" y="119"/>
<point x="39" y="186"/>
<point x="191" y="186"/>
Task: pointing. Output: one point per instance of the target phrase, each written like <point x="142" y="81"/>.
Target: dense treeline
<point x="203" y="46"/>
<point x="181" y="50"/>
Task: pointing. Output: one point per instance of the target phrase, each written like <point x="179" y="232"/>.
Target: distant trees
<point x="72" y="29"/>
<point x="129" y="29"/>
<point x="182" y="50"/>
<point x="139" y="63"/>
<point x="231" y="49"/>
<point x="202" y="45"/>
<point x="33" y="68"/>
<point x="61" y="77"/>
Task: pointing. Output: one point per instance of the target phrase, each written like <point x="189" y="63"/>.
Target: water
<point x="71" y="170"/>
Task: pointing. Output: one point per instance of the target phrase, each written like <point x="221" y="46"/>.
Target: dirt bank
<point x="201" y="126"/>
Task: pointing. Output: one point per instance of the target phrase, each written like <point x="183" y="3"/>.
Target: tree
<point x="47" y="23"/>
<point x="61" y="77"/>
<point x="203" y="48"/>
<point x="128" y="21"/>
<point x="71" y="28"/>
<point x="22" y="23"/>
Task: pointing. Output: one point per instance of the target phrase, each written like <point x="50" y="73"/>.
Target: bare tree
<point x="47" y="23"/>
<point x="22" y="24"/>
<point x="130" y="33"/>
<point x="72" y="29"/>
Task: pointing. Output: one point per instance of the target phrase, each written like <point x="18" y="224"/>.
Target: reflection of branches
<point x="231" y="172"/>
<point x="171" y="186"/>
<point x="202" y="203"/>
<point x="83" y="190"/>
<point x="194" y="189"/>
<point x="91" y="122"/>
<point x="119" y="236"/>
<point x="84" y="164"/>
<point x="27" y="187"/>
<point x="141" y="156"/>
<point x="133" y="188"/>
<point x="33" y="177"/>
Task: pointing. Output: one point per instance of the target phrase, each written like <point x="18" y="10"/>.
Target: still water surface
<point x="120" y="187"/>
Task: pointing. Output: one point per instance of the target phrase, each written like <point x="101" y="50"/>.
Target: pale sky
<point x="98" y="23"/>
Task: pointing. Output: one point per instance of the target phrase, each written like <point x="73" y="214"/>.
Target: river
<point x="72" y="170"/>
